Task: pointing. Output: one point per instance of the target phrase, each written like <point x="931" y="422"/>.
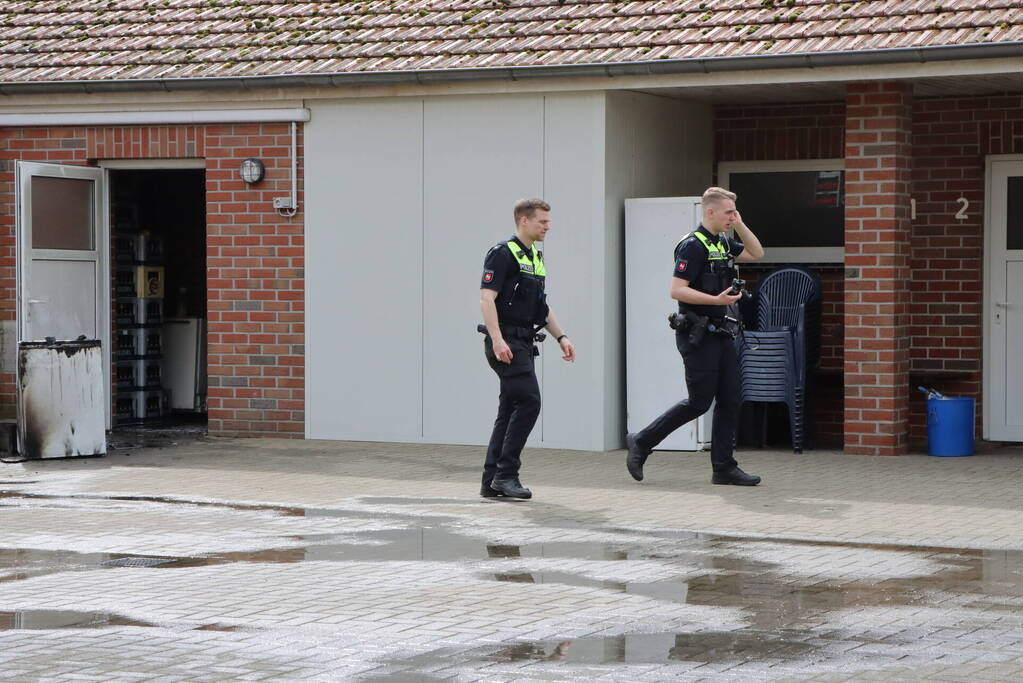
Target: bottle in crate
<point x="132" y="375"/>
<point x="126" y="312"/>
<point x="126" y="247"/>
<point x="136" y="311"/>
<point x="149" y="248"/>
<point x="124" y="407"/>
<point x="125" y="282"/>
<point x="149" y="404"/>
<point x="151" y="341"/>
<point x="152" y="311"/>
<point x="126" y="375"/>
<point x="126" y="343"/>
<point x="149" y="373"/>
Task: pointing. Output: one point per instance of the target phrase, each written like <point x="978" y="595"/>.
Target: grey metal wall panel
<point x="364" y="272"/>
<point x="481" y="154"/>
<point x="404" y="196"/>
<point x="574" y="393"/>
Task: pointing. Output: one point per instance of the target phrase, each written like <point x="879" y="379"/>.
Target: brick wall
<point x="877" y="251"/>
<point x="255" y="258"/>
<point x="951" y="138"/>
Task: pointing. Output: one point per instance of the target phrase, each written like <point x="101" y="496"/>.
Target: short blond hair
<point x="528" y="207"/>
<point x="716" y="195"/>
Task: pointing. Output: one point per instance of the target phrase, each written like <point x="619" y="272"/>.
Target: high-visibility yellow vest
<point x="715" y="252"/>
<point x="531" y="264"/>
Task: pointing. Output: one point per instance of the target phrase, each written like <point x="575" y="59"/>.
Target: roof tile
<point x="47" y="40"/>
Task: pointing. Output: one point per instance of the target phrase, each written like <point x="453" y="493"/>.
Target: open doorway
<point x="158" y="296"/>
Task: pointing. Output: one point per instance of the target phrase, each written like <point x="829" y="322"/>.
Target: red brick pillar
<point x="877" y="248"/>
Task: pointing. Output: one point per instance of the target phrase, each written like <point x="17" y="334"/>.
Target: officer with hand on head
<point x="703" y="286"/>
<point x="514" y="307"/>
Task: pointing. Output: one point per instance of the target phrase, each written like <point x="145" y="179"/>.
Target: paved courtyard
<point x="186" y="558"/>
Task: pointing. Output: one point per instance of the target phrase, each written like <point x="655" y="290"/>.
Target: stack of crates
<point x="138" y="312"/>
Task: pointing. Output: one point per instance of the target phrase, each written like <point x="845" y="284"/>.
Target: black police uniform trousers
<point x="517" y="409"/>
<point x="712" y="371"/>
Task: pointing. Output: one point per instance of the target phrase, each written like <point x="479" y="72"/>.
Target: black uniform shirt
<point x="500" y="269"/>
<point x="691" y="256"/>
<point x="692" y="261"/>
<point x="501" y="273"/>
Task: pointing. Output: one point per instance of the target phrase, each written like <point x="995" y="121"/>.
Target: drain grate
<point x="137" y="562"/>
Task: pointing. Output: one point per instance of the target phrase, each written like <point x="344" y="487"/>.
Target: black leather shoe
<point x="735" y="476"/>
<point x="488" y="492"/>
<point x="511" y="488"/>
<point x="636" y="458"/>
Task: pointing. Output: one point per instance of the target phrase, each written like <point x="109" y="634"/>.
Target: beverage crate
<point x="126" y="248"/>
<point x="136" y="311"/>
<point x="138" y="342"/>
<point x="137" y="374"/>
<point x="139" y="405"/>
<point x="138" y="282"/>
<point x="124" y="407"/>
<point x="124" y="282"/>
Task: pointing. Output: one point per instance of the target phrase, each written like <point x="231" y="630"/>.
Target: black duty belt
<point x="517" y="331"/>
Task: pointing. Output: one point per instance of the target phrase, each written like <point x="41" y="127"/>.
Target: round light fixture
<point x="252" y="170"/>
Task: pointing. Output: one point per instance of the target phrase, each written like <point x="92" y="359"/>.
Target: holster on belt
<point x="695" y="324"/>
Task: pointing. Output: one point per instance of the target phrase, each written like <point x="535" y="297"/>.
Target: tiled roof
<point x="65" y="40"/>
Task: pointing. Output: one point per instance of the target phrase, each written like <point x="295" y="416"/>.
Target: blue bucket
<point x="950" y="426"/>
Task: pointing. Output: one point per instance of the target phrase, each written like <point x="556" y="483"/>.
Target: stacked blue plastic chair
<point x="775" y="358"/>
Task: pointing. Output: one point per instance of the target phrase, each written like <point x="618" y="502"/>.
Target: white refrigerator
<point x="655" y="377"/>
<point x="184" y="363"/>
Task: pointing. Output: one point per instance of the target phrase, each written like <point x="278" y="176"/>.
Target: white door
<point x="1003" y="362"/>
<point x="63" y="281"/>
<point x="655" y="376"/>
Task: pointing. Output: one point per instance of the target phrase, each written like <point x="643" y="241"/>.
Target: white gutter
<point x="133" y="118"/>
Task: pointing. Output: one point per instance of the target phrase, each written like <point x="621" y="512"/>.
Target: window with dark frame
<point x="792" y="208"/>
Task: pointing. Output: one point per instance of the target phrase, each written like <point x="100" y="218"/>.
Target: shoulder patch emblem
<point x="682" y="266"/>
<point x="488" y="276"/>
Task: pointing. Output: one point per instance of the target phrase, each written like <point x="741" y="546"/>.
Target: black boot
<point x="735" y="476"/>
<point x="636" y="457"/>
<point x="511" y="488"/>
<point x="487" y="492"/>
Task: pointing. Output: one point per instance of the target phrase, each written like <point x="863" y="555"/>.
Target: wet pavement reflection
<point x="788" y="592"/>
<point x="51" y="619"/>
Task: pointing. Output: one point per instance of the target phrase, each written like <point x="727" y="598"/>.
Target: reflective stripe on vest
<point x="532" y="264"/>
<point x="715" y="252"/>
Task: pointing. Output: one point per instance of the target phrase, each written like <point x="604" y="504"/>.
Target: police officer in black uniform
<point x="514" y="306"/>
<point x="708" y="324"/>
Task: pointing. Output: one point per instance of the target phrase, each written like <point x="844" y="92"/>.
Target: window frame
<point x="786" y="254"/>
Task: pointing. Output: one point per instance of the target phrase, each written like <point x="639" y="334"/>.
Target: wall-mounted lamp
<point x="252" y="170"/>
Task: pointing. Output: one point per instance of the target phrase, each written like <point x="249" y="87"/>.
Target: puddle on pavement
<point x="155" y="436"/>
<point x="284" y="510"/>
<point x="397" y="500"/>
<point x="709" y="647"/>
<point x="53" y="619"/>
<point x="712" y="571"/>
<point x="225" y="628"/>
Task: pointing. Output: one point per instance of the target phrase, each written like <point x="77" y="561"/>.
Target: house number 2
<point x="960" y="214"/>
